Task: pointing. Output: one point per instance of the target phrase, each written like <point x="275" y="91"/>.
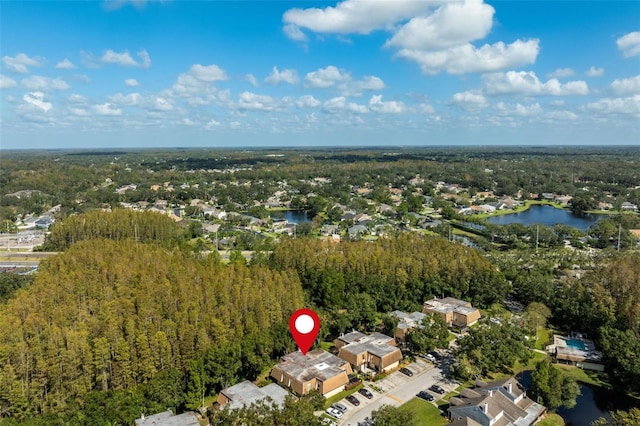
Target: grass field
<point x="423" y="413"/>
<point x="551" y="419"/>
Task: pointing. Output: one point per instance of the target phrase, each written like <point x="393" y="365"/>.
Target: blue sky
<point x="84" y="74"/>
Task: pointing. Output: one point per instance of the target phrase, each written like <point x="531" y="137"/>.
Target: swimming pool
<point x="576" y="344"/>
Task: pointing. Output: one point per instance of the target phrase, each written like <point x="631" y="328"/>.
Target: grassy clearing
<point x="589" y="377"/>
<point x="544" y="337"/>
<point x="551" y="419"/>
<point x="423" y="413"/>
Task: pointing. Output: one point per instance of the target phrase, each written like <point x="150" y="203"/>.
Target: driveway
<point x="396" y="390"/>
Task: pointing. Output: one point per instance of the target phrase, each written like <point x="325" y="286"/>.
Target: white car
<point x="334" y="412"/>
<point x="430" y="357"/>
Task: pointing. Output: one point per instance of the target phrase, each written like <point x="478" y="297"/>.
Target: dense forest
<point x="109" y="316"/>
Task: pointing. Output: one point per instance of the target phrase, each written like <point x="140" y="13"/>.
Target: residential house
<point x="627" y="206"/>
<point x="454" y="312"/>
<point x="503" y="402"/>
<point x="318" y="370"/>
<point x="407" y="322"/>
<point x="246" y="394"/>
<point x="167" y="418"/>
<point x="377" y="352"/>
<point x="357" y="230"/>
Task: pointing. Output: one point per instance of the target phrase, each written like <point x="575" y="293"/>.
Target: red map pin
<point x="304" y="325"/>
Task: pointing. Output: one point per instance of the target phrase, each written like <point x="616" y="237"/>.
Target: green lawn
<point x="423" y="413"/>
<point x="588" y="377"/>
<point x="544" y="337"/>
<point x="551" y="420"/>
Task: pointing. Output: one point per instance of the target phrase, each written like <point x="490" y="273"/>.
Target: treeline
<point x="111" y="316"/>
<point x="397" y="273"/>
<point x="118" y="224"/>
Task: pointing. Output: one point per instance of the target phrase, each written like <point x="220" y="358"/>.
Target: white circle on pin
<point x="304" y="324"/>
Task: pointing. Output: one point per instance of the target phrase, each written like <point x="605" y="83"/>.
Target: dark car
<point x="425" y="395"/>
<point x="366" y="393"/>
<point x="436" y="355"/>
<point x="352" y="399"/>
<point x="437" y="389"/>
<point x="406" y="371"/>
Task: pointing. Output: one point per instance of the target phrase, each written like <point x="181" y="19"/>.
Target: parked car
<point x="436" y="355"/>
<point x="425" y="395"/>
<point x="437" y="389"/>
<point x="406" y="371"/>
<point x="430" y="358"/>
<point x="352" y="399"/>
<point x="340" y="407"/>
<point x="366" y="393"/>
<point x="334" y="412"/>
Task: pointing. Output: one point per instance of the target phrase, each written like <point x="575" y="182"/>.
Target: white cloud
<point x="453" y="24"/>
<point x="518" y="109"/>
<point x="468" y="100"/>
<point x="6" y="82"/>
<point x="527" y="83"/>
<point x="628" y="105"/>
<point x="37" y="99"/>
<point x="595" y="72"/>
<point x="626" y="86"/>
<point x="326" y="77"/>
<point x="252" y="80"/>
<point x="107" y="109"/>
<point x="294" y="33"/>
<point x="467" y="58"/>
<point x="82" y="78"/>
<point x="131" y="82"/>
<point x="208" y="73"/>
<point x="355" y="88"/>
<point x="212" y="124"/>
<point x="20" y="63"/>
<point x="195" y="86"/>
<point x="340" y="104"/>
<point x="353" y="16"/>
<point x="36" y="82"/>
<point x="307" y="101"/>
<point x="561" y="73"/>
<point x="65" y="64"/>
<point x="188" y="122"/>
<point x="562" y="115"/>
<point x="378" y="105"/>
<point x="434" y="33"/>
<point x="80" y="112"/>
<point x="77" y="99"/>
<point x="125" y="59"/>
<point x="276" y="77"/>
<point x="252" y="101"/>
<point x="629" y="44"/>
<point x="161" y="104"/>
<point x="130" y="99"/>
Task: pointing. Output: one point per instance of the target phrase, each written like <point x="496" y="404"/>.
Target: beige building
<point x="453" y="311"/>
<point x="376" y="351"/>
<point x="407" y="322"/>
<point x="318" y="370"/>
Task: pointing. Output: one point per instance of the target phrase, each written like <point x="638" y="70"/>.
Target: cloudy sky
<point x="311" y="73"/>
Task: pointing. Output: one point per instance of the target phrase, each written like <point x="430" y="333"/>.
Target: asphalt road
<point x="396" y="390"/>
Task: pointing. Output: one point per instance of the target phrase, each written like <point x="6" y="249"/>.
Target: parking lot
<point x="396" y="389"/>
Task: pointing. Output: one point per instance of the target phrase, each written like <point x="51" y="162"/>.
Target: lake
<point x="592" y="403"/>
<point x="295" y="216"/>
<point x="546" y="215"/>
